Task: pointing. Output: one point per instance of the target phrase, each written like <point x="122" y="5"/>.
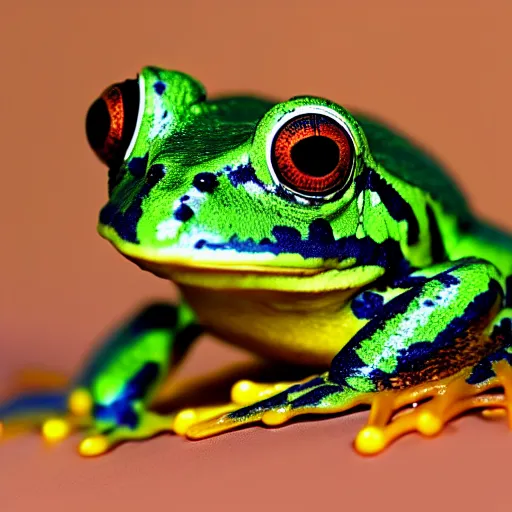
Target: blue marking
<point x="483" y="370"/>
<point x="137" y="166"/>
<point x="183" y="213"/>
<point x="184" y="198"/>
<point x="318" y="388"/>
<point x="263" y="405"/>
<point x="243" y="174"/>
<point x="320" y="243"/>
<point x="34" y="404"/>
<point x="315" y="396"/>
<point x="125" y="223"/>
<point x="159" y="87"/>
<point x="122" y="411"/>
<point x="367" y="305"/>
<point x="397" y="207"/>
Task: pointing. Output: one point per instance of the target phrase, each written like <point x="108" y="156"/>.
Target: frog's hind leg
<point x="317" y="395"/>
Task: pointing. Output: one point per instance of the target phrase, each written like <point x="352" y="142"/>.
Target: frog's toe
<point x="246" y="392"/>
<point x="59" y="428"/>
<point x="314" y="396"/>
<point x="186" y="418"/>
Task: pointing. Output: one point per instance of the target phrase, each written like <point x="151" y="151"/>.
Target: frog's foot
<point x="148" y="425"/>
<point x="243" y="392"/>
<point x="425" y="408"/>
<point x="55" y="411"/>
<point x="316" y="395"/>
<point x="448" y="399"/>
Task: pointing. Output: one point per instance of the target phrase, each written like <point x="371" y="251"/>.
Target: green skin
<point x="419" y="285"/>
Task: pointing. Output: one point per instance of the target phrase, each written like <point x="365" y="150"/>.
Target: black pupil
<point x="316" y="156"/>
<point x="97" y="124"/>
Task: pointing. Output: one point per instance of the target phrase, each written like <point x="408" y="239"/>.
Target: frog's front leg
<point x="428" y="328"/>
<point x="113" y="394"/>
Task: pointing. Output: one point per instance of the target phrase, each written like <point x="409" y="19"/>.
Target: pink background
<point x="442" y="73"/>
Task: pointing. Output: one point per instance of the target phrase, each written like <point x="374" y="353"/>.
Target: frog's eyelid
<point x="140" y="115"/>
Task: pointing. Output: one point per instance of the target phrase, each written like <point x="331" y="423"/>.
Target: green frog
<point x="305" y="234"/>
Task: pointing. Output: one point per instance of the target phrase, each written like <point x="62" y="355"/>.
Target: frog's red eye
<point x="111" y="120"/>
<point x="312" y="154"/>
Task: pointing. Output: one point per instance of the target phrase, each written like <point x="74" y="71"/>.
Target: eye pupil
<point x="97" y="124"/>
<point x="316" y="156"/>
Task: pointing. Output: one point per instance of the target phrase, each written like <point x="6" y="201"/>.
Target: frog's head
<point x="232" y="184"/>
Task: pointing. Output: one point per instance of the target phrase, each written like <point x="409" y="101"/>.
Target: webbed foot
<point x="424" y="408"/>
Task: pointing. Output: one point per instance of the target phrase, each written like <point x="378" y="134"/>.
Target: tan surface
<point x="442" y="73"/>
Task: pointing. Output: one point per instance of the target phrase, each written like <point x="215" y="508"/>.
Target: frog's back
<point x="408" y="162"/>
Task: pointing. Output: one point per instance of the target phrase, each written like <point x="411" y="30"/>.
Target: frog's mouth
<point x="248" y="276"/>
<point x="227" y="268"/>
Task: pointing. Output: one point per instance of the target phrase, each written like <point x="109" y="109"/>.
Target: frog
<point x="304" y="233"/>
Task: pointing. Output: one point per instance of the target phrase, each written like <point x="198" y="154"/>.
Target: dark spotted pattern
<point x="183" y="213"/>
<point x="137" y="166"/>
<point x="502" y="337"/>
<point x="367" y="305"/>
<point x="159" y="87"/>
<point x="320" y="243"/>
<point x="397" y="207"/>
<point x="243" y="174"/>
<point x="121" y="411"/>
<point x="437" y="249"/>
<point x="125" y="222"/>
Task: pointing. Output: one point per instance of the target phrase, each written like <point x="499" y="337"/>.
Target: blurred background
<point x="438" y="70"/>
